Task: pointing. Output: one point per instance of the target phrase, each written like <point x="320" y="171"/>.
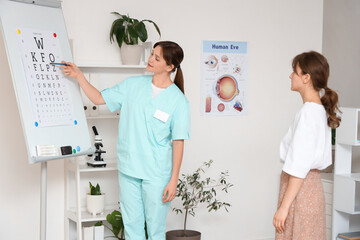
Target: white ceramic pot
<point x="95" y="203"/>
<point x="131" y="54"/>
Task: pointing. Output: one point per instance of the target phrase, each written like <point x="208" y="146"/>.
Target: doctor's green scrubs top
<point x="147" y="125"/>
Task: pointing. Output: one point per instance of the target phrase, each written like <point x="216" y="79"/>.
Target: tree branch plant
<point x="194" y="190"/>
<point x="129" y="30"/>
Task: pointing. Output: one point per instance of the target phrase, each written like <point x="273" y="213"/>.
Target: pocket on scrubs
<point x="161" y="130"/>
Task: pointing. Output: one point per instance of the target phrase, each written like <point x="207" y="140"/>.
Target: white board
<point x="50" y="105"/>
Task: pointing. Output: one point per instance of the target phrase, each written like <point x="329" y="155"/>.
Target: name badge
<point x="162" y="116"/>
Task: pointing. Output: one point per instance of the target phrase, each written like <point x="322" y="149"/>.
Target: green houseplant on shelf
<point x="117" y="225"/>
<point x="195" y="190"/>
<point x="95" y="200"/>
<point x="127" y="32"/>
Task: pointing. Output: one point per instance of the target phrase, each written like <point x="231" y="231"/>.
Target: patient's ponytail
<point x="316" y="65"/>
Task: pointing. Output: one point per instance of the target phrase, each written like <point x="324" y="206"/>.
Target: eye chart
<point x="47" y="86"/>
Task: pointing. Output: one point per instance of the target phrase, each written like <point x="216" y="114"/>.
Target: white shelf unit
<point x="104" y="116"/>
<point x="105" y="75"/>
<point x="348" y="132"/>
<point x="96" y="64"/>
<point x="77" y="175"/>
<point x="346" y="210"/>
<point x="116" y="64"/>
<point x="348" y="185"/>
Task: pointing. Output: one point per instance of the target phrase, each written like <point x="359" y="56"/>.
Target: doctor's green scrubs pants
<point x="141" y="200"/>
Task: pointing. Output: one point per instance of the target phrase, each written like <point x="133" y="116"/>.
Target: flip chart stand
<point x="43" y="200"/>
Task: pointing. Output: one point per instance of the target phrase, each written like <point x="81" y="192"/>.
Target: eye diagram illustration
<point x="208" y="104"/>
<point x="238" y="106"/>
<point x="221" y="107"/>
<point x="237" y="69"/>
<point x="224" y="58"/>
<point x="211" y="61"/>
<point x="226" y="88"/>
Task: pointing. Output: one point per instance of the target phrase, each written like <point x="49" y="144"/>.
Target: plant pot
<point x="95" y="203"/>
<point x="131" y="54"/>
<point x="179" y="235"/>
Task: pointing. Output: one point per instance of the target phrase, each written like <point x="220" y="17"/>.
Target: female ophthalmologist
<point x="154" y="121"/>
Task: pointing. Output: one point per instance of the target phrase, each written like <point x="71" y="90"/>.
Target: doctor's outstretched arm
<point x="170" y="190"/>
<point x="91" y="92"/>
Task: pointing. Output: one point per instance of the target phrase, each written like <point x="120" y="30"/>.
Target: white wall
<point x="341" y="46"/>
<point x="276" y="31"/>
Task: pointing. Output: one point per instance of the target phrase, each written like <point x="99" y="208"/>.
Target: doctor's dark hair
<point x="173" y="55"/>
<point x="316" y="65"/>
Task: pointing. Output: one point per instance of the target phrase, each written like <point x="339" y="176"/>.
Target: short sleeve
<point x="302" y="149"/>
<point x="180" y="124"/>
<point x="114" y="97"/>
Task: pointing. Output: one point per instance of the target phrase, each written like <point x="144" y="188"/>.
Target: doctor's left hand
<point x="170" y="191"/>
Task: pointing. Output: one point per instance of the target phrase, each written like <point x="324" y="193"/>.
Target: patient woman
<point x="305" y="150"/>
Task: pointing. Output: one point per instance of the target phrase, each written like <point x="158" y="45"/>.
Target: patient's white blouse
<point x="307" y="144"/>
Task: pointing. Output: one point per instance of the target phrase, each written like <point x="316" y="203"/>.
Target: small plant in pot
<point x="127" y="32"/>
<point x="194" y="190"/>
<point x="95" y="200"/>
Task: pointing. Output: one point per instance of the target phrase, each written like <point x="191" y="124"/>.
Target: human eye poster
<point x="224" y="83"/>
<point x="47" y="86"/>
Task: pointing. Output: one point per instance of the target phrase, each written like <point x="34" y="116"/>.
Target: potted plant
<point x="95" y="200"/>
<point x="117" y="225"/>
<point x="129" y="30"/>
<point x="194" y="190"/>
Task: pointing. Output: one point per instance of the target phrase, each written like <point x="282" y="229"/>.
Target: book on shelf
<point x="99" y="232"/>
<point x="88" y="233"/>
<point x="349" y="236"/>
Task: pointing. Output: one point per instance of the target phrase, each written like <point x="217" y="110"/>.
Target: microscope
<point x="98" y="161"/>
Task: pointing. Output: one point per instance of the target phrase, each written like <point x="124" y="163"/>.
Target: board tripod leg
<point x="43" y="201"/>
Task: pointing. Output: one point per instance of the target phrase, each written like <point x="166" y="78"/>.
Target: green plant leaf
<point x="100" y="223"/>
<point x="141" y="31"/>
<point x="90" y="187"/>
<point x="133" y="35"/>
<point x="118" y="30"/>
<point x="156" y="26"/>
<point x="126" y="18"/>
<point x="117" y="25"/>
<point x="115" y="220"/>
<point x="116" y="13"/>
<point x="129" y="19"/>
<point x="94" y="190"/>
